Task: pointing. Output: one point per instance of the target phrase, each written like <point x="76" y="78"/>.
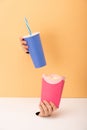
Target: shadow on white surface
<point x="60" y="113"/>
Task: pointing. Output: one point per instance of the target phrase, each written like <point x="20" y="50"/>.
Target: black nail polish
<point x="37" y="113"/>
<point x="27" y="52"/>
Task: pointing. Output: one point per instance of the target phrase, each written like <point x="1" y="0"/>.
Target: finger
<point x="49" y="107"/>
<point x="53" y="106"/>
<point x="21" y="38"/>
<point x="46" y="113"/>
<point x="24" y="43"/>
<point x="41" y="111"/>
<point x="25" y="50"/>
<point x="25" y="47"/>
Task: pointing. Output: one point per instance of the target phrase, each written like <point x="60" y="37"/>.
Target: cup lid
<point x="33" y="34"/>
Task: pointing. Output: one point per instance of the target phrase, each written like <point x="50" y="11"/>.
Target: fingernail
<point x="27" y="52"/>
<point x="37" y="113"/>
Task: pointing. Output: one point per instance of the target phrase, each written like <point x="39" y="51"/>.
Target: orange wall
<point x="62" y="24"/>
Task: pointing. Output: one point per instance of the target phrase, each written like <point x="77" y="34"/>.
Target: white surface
<point x="19" y="114"/>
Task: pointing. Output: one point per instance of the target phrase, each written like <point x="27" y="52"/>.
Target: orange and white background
<point x="62" y="25"/>
<point x="63" y="28"/>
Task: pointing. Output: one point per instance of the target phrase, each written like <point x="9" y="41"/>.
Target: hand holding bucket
<point x="52" y="87"/>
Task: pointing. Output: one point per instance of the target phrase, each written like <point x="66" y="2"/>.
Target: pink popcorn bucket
<point x="52" y="87"/>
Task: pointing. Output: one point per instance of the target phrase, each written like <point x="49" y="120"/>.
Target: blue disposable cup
<point x="35" y="50"/>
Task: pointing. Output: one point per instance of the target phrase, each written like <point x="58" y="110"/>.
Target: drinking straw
<point x="27" y="25"/>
